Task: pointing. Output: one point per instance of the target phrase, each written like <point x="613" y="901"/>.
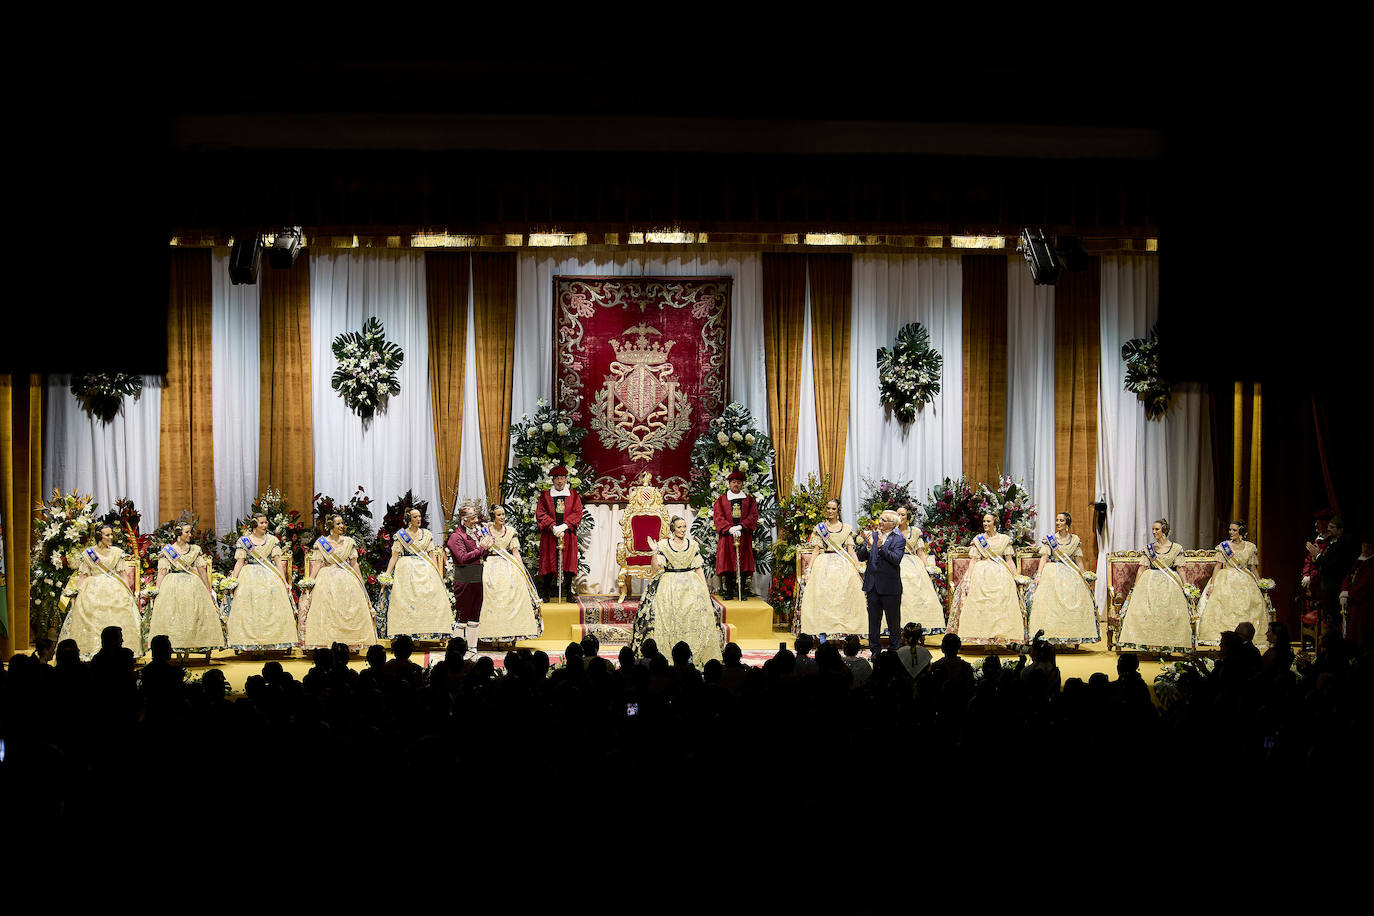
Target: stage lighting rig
<point x="285" y="244"/>
<point x="1040" y="255"/>
<point x="245" y="260"/>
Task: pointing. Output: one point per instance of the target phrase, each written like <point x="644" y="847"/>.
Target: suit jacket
<point x="884" y="572"/>
<point x="467" y="556"/>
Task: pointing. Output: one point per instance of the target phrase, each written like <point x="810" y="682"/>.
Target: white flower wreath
<point x="366" y="374"/>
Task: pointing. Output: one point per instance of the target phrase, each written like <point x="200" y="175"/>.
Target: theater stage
<point x="749" y="624"/>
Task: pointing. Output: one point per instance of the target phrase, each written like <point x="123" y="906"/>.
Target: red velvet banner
<point x="640" y="363"/>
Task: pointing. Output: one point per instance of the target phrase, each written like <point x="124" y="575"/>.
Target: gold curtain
<point x="1077" y="354"/>
<point x="186" y="459"/>
<point x="446" y="302"/>
<point x="21" y="476"/>
<point x="784" y="301"/>
<point x="1247" y="427"/>
<point x="832" y="296"/>
<point x="493" y="310"/>
<point x="985" y="366"/>
<point x="286" y="459"/>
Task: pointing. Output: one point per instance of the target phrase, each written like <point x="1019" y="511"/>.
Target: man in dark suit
<point x="883" y="549"/>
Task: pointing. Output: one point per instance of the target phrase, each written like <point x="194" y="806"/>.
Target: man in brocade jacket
<point x="558" y="512"/>
<point x="735" y="513"/>
<point x="469" y="548"/>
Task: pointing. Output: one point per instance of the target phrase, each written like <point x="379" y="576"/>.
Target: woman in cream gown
<point x="676" y="605"/>
<point x="103" y="598"/>
<point x="1232" y="595"/>
<point x="987" y="606"/>
<point x="510" y="603"/>
<point x="1156" y="616"/>
<point x="920" y="602"/>
<point x="336" y="609"/>
<point x="185" y="610"/>
<point x="1059" y="600"/>
<point x="261" y="613"/>
<point x="417" y="601"/>
<point x="832" y="598"/>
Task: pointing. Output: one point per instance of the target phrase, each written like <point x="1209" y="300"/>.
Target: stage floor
<point x="1080" y="663"/>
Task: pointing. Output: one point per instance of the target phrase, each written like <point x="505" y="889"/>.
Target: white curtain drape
<point x="1029" y="450"/>
<point x="890" y="291"/>
<point x="472" y="479"/>
<point x="235" y="381"/>
<point x="111" y="460"/>
<point x="1147" y="469"/>
<point x="394" y="451"/>
<point x="808" y="433"/>
<point x="533" y="374"/>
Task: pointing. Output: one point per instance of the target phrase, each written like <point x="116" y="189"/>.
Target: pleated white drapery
<point x="110" y="461"/>
<point x="393" y="451"/>
<point x="236" y="382"/>
<point x="1147" y="469"/>
<point x="1029" y="453"/>
<point x="472" y="479"/>
<point x="533" y="374"/>
<point x="890" y="291"/>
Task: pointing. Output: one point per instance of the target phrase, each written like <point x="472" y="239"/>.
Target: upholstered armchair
<point x="956" y="566"/>
<point x="645" y="518"/>
<point x="1122" y="568"/>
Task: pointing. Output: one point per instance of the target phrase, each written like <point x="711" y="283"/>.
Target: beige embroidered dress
<point x="509" y="609"/>
<point x="1155" y="616"/>
<point x="102" y="600"/>
<point x="184" y="610"/>
<point x="832" y="600"/>
<point x="1059" y="601"/>
<point x="417" y="602"/>
<point x="261" y="612"/>
<point x="1232" y="596"/>
<point x="987" y="605"/>
<point x="677" y="607"/>
<point x="337" y="609"/>
<point x="920" y="602"/>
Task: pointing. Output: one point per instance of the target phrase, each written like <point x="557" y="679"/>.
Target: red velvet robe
<point x="722" y="519"/>
<point x="466" y="553"/>
<point x="548" y="544"/>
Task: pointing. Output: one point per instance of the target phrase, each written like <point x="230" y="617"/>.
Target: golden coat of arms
<point x="639" y="407"/>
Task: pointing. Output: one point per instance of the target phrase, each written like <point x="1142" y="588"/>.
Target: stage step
<point x="744" y="620"/>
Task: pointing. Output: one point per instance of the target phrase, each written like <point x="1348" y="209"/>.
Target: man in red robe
<point x="559" y="512"/>
<point x="469" y="548"/>
<point x="735" y="512"/>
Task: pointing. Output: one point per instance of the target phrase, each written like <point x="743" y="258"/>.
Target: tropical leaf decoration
<point x="1142" y="373"/>
<point x="102" y="393"/>
<point x="909" y="372"/>
<point x="366" y="374"/>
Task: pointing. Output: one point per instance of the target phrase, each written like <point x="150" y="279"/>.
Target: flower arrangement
<point x="366" y="373"/>
<point x="386" y="580"/>
<point x="1266" y="584"/>
<point x="103" y="393"/>
<point x="148" y="593"/>
<point x="879" y="496"/>
<point x="305" y="583"/>
<point x="222" y="583"/>
<point x="1142" y="373"/>
<point x="909" y="373"/>
<point x="798" y="514"/>
<point x="952" y="513"/>
<point x="733" y="443"/>
<point x="1176" y="678"/>
<point x="62" y="526"/>
<point x="539" y="444"/>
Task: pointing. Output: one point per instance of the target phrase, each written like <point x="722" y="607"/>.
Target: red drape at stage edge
<point x="640" y="363"/>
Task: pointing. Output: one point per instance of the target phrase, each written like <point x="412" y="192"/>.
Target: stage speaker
<point x="245" y="260"/>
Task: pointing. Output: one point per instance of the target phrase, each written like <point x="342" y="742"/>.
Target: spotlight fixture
<point x="245" y="259"/>
<point x="286" y="244"/>
<point x="1040" y="255"/>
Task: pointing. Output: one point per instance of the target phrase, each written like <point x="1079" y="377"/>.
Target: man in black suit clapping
<point x="883" y="549"/>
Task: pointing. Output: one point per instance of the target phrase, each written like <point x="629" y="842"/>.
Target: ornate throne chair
<point x="645" y="517"/>
<point x="956" y="565"/>
<point x="1122" y="568"/>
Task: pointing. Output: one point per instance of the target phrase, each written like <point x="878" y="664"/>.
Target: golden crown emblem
<point x="642" y="351"/>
